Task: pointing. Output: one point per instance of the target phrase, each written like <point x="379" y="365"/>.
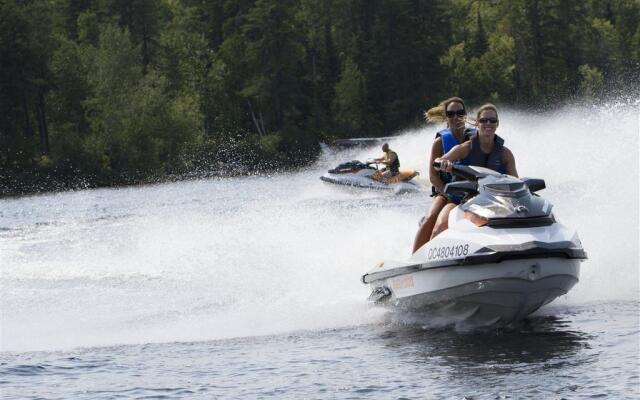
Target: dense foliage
<point x="103" y="92"/>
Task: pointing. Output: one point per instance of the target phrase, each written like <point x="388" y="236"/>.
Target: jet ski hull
<point x="363" y="179"/>
<point x="482" y="294"/>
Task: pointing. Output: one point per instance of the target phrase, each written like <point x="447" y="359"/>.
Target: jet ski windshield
<point x="507" y="201"/>
<point x="509" y="188"/>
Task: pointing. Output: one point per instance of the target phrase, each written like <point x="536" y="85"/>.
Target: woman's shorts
<point x="451" y="198"/>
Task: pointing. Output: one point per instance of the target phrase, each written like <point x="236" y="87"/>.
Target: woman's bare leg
<point x="442" y="222"/>
<point x="424" y="231"/>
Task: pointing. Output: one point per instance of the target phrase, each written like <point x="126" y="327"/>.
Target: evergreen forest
<point x="112" y="92"/>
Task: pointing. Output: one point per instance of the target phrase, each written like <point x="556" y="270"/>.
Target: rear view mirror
<point x="534" y="184"/>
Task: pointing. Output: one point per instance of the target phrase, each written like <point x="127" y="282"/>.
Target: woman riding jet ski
<point x="503" y="256"/>
<point x="367" y="175"/>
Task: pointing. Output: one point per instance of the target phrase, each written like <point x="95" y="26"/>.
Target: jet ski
<point x="503" y="256"/>
<point x="366" y="175"/>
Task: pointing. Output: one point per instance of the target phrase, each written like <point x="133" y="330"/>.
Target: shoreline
<point x="44" y="185"/>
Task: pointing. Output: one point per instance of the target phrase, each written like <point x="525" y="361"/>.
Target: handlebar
<point x="462" y="171"/>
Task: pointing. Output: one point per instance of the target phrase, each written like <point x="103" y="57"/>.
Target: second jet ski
<point x="366" y="175"/>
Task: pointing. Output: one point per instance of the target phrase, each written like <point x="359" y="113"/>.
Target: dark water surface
<point x="568" y="351"/>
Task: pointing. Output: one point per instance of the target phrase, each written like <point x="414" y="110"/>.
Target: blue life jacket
<point x="448" y="142"/>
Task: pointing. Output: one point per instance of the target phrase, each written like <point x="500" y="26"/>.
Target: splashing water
<point x="223" y="258"/>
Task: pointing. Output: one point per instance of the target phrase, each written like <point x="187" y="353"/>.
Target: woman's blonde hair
<point x="439" y="112"/>
<point x="484" y="107"/>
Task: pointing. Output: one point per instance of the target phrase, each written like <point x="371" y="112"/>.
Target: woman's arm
<point x="434" y="176"/>
<point x="509" y="162"/>
<point x="458" y="152"/>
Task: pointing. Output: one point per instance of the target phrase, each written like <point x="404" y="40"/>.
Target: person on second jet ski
<point x="484" y="149"/>
<point x="392" y="164"/>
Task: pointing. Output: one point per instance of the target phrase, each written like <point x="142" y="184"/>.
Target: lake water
<point x="250" y="287"/>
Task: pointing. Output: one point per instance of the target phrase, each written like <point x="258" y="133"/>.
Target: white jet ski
<point x="365" y="175"/>
<point x="503" y="256"/>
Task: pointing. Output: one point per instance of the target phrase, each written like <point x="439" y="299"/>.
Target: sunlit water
<point x="249" y="287"/>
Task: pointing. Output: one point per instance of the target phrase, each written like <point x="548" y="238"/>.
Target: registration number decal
<point x="448" y="252"/>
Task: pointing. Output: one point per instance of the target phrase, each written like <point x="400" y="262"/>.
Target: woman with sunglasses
<point x="453" y="112"/>
<point x="485" y="149"/>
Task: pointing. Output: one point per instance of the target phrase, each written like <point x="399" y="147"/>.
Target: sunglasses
<point x="459" y="113"/>
<point x="488" y="120"/>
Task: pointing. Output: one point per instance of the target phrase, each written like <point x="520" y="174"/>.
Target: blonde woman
<point x="484" y="149"/>
<point x="453" y="112"/>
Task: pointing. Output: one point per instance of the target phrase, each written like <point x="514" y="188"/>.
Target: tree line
<point x="103" y="92"/>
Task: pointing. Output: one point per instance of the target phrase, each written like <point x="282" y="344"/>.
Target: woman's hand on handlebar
<point x="442" y="164"/>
